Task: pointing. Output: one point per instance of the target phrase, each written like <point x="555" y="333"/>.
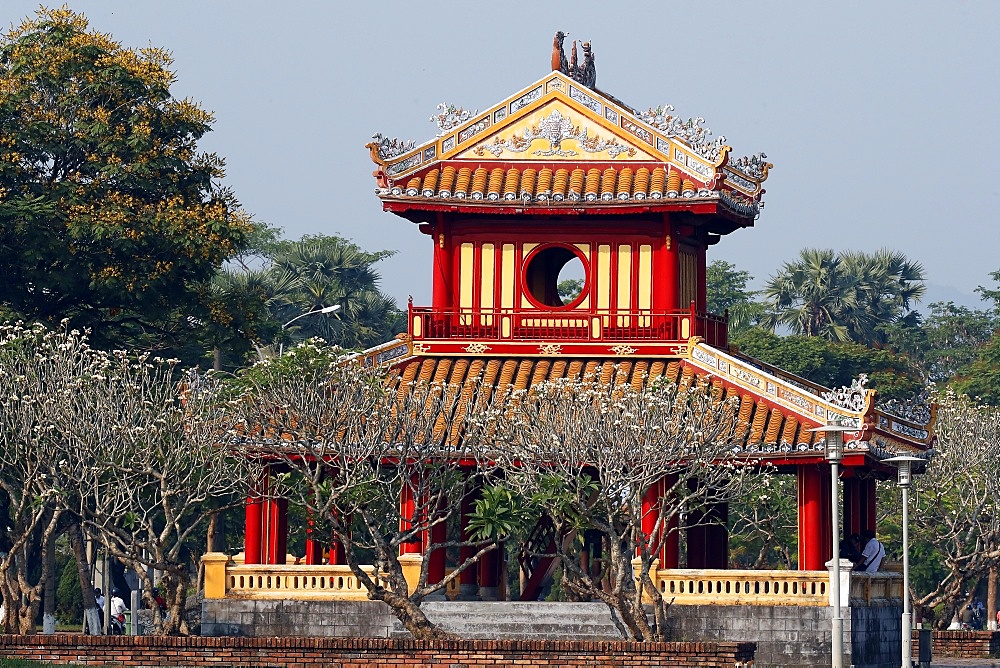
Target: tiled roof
<point x="762" y="428"/>
<point x="523" y="186"/>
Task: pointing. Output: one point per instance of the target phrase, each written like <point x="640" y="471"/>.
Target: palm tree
<point x="324" y="271"/>
<point x="846" y="297"/>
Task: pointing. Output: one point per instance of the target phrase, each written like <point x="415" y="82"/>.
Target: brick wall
<point x="367" y="652"/>
<point x="963" y="644"/>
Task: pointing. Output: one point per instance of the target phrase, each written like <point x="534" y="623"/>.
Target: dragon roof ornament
<point x="916" y="409"/>
<point x="853" y="398"/>
<point x="690" y="131"/>
<point x="391" y="148"/>
<point x="755" y="166"/>
<point x="450" y="117"/>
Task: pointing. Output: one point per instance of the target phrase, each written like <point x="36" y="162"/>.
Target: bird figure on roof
<point x="559" y="63"/>
<point x="587" y="73"/>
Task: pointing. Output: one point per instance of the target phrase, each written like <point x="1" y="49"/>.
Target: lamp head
<point x="904" y="468"/>
<point x="834" y="440"/>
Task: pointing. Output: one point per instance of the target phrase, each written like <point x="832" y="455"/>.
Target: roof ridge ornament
<point x="390" y="148"/>
<point x="755" y="165"/>
<point x="585" y="73"/>
<point x="853" y="398"/>
<point x="451" y="117"/>
<point x="690" y="131"/>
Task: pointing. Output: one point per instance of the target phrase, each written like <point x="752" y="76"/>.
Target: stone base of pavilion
<point x="787" y="613"/>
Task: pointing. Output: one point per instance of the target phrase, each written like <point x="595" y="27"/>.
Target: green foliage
<point x="727" y="290"/>
<point x="69" y="608"/>
<point x="833" y="364"/>
<point x="980" y="379"/>
<point x="109" y="215"/>
<point x="947" y="341"/>
<point x="320" y="271"/>
<point x="500" y="513"/>
<point x="844" y="297"/>
<point x="763" y="524"/>
<point x="569" y="289"/>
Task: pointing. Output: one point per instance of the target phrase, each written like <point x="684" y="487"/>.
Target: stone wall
<point x="367" y="652"/>
<point x="795" y="636"/>
<point x="483" y="620"/>
<point x="786" y="636"/>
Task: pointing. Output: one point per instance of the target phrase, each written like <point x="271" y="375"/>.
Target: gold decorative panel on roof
<point x="559" y="121"/>
<point x="556" y="131"/>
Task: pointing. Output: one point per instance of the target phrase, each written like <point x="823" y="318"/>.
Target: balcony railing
<point x="226" y="579"/>
<point x="611" y="326"/>
<point x="743" y="587"/>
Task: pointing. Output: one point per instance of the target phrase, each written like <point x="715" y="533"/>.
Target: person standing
<point x="873" y="552"/>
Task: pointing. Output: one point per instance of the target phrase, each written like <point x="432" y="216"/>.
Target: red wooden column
<point x="489" y="574"/>
<point x="407" y="508"/>
<point x="314" y="547"/>
<point x="814" y="517"/>
<point x="253" y="549"/>
<point x="852" y="503"/>
<point x="276" y="519"/>
<point x="651" y="504"/>
<point x="671" y="549"/>
<point x="702" y="279"/>
<point x="436" y="559"/>
<point x="443" y="285"/>
<point x="868" y="504"/>
<point x="468" y="580"/>
<point x="668" y="272"/>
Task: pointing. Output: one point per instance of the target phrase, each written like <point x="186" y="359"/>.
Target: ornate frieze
<point x="526" y="99"/>
<point x="584" y="99"/>
<point x="473" y="130"/>
<point x="555" y="128"/>
<point x="403" y="165"/>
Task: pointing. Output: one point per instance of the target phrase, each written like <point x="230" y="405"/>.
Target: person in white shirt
<point x="873" y="552"/>
<point x="118" y="606"/>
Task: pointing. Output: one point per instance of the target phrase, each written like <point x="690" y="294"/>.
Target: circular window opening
<point x="556" y="277"/>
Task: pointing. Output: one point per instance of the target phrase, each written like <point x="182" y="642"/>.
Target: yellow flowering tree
<point x="109" y="214"/>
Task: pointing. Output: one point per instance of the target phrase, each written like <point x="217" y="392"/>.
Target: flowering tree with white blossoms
<point x="957" y="501"/>
<point x="117" y="444"/>
<point x="38" y="371"/>
<point x="346" y="442"/>
<point x="587" y="452"/>
<point x="150" y="470"/>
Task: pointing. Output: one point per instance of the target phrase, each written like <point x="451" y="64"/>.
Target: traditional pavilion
<point x="562" y="173"/>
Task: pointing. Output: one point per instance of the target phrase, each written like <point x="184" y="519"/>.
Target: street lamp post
<point x="324" y="310"/>
<point x="834" y="452"/>
<point x="904" y="464"/>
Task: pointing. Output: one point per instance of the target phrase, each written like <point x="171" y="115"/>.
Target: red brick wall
<point x="963" y="644"/>
<point x="358" y="652"/>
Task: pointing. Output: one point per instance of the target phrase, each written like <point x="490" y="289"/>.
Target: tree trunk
<point x="91" y="615"/>
<point x="49" y="610"/>
<point x="217" y="359"/>
<point x="991" y="598"/>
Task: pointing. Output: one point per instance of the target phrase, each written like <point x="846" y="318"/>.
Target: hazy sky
<point x="881" y="118"/>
